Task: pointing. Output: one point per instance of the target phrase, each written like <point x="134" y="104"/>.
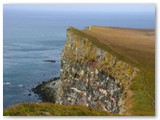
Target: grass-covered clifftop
<point x="136" y="47"/>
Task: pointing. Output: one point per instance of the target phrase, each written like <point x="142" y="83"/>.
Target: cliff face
<point x="92" y="76"/>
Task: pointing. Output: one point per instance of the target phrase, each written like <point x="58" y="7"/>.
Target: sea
<point x="31" y="37"/>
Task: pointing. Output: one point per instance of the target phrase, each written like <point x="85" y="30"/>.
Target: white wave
<point x="7" y="83"/>
<point x="20" y="85"/>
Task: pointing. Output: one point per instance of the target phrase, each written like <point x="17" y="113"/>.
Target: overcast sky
<point x="83" y="7"/>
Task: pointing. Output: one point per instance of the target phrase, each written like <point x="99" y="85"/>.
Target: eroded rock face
<point x="90" y="87"/>
<point x="91" y="76"/>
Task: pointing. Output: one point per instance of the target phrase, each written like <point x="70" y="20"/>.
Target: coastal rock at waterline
<point x="51" y="61"/>
<point x="47" y="91"/>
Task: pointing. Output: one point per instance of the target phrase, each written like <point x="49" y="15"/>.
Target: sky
<point x="83" y="7"/>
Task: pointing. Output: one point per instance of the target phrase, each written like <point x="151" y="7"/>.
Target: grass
<point x="136" y="47"/>
<point x="143" y="96"/>
<point x="50" y="109"/>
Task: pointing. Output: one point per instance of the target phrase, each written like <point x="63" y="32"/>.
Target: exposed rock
<point x="47" y="91"/>
<point x="52" y="61"/>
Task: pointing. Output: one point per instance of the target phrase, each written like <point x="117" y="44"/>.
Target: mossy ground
<point x="50" y="109"/>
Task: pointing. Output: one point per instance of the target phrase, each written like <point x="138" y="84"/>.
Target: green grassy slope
<point x="49" y="109"/>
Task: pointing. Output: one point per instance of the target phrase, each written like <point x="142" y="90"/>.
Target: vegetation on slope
<point x="50" y="109"/>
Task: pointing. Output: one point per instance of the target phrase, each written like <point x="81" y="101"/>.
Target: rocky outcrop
<point x="91" y="76"/>
<point x="48" y="90"/>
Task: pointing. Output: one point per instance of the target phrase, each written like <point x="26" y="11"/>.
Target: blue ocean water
<point x="30" y="37"/>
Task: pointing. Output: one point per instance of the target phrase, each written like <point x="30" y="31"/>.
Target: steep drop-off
<point x="91" y="76"/>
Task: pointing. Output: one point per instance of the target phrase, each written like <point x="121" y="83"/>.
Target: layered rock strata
<point x="91" y="76"/>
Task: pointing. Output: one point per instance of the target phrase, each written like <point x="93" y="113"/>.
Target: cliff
<point x="92" y="76"/>
<point x="108" y="69"/>
<point x="97" y="76"/>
